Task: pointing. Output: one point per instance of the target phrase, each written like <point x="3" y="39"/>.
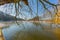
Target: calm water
<point x="29" y="31"/>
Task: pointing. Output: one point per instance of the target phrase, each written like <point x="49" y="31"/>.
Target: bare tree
<point x="17" y="8"/>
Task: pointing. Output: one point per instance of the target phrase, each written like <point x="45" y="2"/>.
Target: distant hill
<point x="35" y="19"/>
<point x="7" y="17"/>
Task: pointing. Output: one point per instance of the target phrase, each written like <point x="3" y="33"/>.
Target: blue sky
<point x="25" y="10"/>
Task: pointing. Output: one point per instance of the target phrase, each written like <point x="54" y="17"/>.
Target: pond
<point x="30" y="31"/>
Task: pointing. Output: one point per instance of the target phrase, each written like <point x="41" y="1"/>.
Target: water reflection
<point x="29" y="31"/>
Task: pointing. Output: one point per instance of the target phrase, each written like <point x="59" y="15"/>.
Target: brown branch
<point x="2" y="2"/>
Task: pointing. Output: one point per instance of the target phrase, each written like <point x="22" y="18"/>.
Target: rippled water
<point x="29" y="31"/>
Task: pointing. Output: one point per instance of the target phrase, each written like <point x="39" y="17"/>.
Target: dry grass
<point x="57" y="32"/>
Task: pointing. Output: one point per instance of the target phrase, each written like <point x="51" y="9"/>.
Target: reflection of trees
<point x="36" y="23"/>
